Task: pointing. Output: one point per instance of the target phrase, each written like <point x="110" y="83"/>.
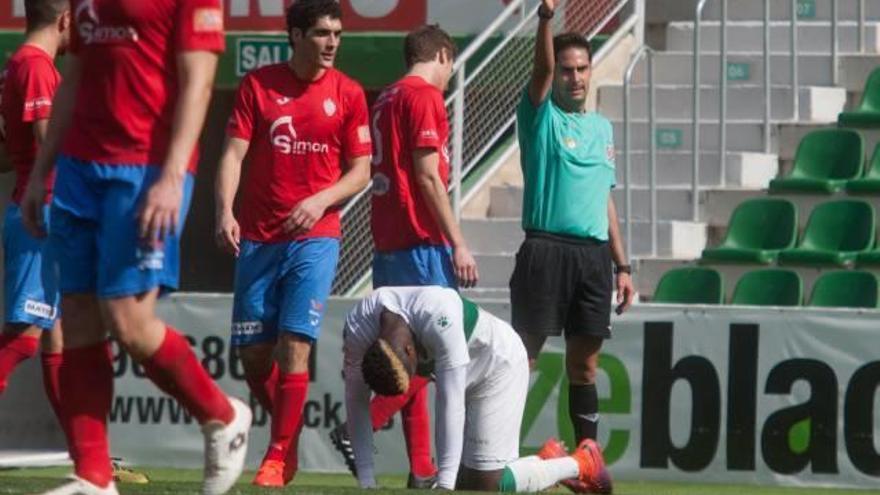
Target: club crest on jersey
<point x="91" y="31"/>
<point x="329" y="107"/>
<point x="283" y="137"/>
<point x="443" y="322"/>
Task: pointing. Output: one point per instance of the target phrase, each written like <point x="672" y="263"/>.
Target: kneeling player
<point x="482" y="377"/>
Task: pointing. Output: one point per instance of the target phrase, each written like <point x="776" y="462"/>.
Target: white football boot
<point x="225" y="449"/>
<point x="79" y="486"/>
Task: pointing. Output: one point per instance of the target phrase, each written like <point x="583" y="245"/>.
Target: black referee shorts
<point x="562" y="282"/>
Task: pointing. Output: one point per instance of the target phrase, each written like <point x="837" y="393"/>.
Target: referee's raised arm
<point x="542" y="73"/>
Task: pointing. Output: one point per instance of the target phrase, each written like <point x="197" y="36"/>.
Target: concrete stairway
<point x="496" y="236"/>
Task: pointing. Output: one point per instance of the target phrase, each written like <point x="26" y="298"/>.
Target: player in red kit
<point x="27" y="86"/>
<point x="122" y="137"/>
<point x="417" y="239"/>
<point x="303" y="128"/>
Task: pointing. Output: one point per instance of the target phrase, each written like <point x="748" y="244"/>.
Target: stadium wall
<point x="725" y="394"/>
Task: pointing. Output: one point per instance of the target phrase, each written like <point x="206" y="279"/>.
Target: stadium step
<point x="748" y="36"/>
<point x="493" y="234"/>
<point x="675" y="168"/>
<point x="663" y="11"/>
<point x="816" y="104"/>
<point x="677" y="134"/>
<point x="677" y="68"/>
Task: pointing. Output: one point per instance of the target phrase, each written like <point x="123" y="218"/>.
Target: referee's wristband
<point x="628" y="269"/>
<point x="545" y="13"/>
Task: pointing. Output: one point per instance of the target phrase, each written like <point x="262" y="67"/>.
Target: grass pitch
<point x="186" y="481"/>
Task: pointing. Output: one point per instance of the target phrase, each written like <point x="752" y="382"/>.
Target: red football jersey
<point x="410" y="114"/>
<point x="128" y="48"/>
<point x="27" y="86"/>
<point x="299" y="134"/>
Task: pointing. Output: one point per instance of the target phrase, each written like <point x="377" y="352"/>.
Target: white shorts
<point x="498" y="383"/>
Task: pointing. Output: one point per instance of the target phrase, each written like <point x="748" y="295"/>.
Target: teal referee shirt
<point x="567" y="162"/>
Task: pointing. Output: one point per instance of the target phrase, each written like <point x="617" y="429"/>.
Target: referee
<point x="563" y="275"/>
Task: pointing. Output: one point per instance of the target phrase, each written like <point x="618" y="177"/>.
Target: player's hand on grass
<point x="32" y="207"/>
<point x="465" y="267"/>
<point x="160" y="209"/>
<point x="625" y="292"/>
<point x="228" y="233"/>
<point x="305" y="215"/>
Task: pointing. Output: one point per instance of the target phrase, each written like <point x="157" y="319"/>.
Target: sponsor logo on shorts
<point x="283" y="136"/>
<point x="150" y="258"/>
<point x="37" y="103"/>
<point x="208" y="20"/>
<point x="39" y="309"/>
<point x="247" y="328"/>
<point x="316" y="309"/>
<point x="92" y="31"/>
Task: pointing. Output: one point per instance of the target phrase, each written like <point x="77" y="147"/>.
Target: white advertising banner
<point x="723" y="394"/>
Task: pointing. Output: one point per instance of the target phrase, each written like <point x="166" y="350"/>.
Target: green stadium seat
<point x="692" y="285"/>
<point x="757" y="231"/>
<point x="836" y="233"/>
<point x="846" y="289"/>
<point x="771" y="287"/>
<point x="825" y="160"/>
<point x="870" y="183"/>
<point x="868" y="113"/>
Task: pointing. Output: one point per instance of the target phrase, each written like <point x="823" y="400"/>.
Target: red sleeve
<point x="241" y="122"/>
<point x="37" y="82"/>
<point x="356" y="130"/>
<point x="426" y="115"/>
<point x="200" y="26"/>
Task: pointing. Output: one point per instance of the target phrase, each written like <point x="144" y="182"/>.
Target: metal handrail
<point x="795" y="86"/>
<point x="648" y="53"/>
<point x="722" y="112"/>
<point x="695" y="171"/>
<point x="768" y="99"/>
<point x="862" y="42"/>
<point x="835" y="48"/>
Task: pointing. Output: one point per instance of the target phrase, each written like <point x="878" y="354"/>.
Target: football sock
<point x="532" y="474"/>
<point x="175" y="369"/>
<point x="15" y="348"/>
<point x="51" y="366"/>
<point x="383" y="407"/>
<point x="583" y="408"/>
<point x="263" y="386"/>
<point x="417" y="432"/>
<point x="86" y="380"/>
<point x="287" y="415"/>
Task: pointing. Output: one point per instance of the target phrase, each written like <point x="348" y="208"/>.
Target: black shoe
<point x="339" y="437"/>
<point x="420" y="483"/>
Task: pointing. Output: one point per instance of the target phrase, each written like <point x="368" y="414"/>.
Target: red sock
<point x="176" y="371"/>
<point x="15" y="348"/>
<point x="263" y="387"/>
<point x="417" y="432"/>
<point x="290" y="398"/>
<point x="51" y="382"/>
<point x="383" y="407"/>
<point x="86" y="381"/>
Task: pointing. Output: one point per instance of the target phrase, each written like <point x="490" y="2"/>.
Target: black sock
<point x="583" y="408"/>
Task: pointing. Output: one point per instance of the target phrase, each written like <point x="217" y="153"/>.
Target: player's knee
<point x="256" y="359"/>
<point x="581" y="372"/>
<point x="292" y="353"/>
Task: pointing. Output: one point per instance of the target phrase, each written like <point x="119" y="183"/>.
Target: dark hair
<point x="41" y="13"/>
<point x="565" y="41"/>
<point x="383" y="370"/>
<point x="304" y="14"/>
<point x="423" y="44"/>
